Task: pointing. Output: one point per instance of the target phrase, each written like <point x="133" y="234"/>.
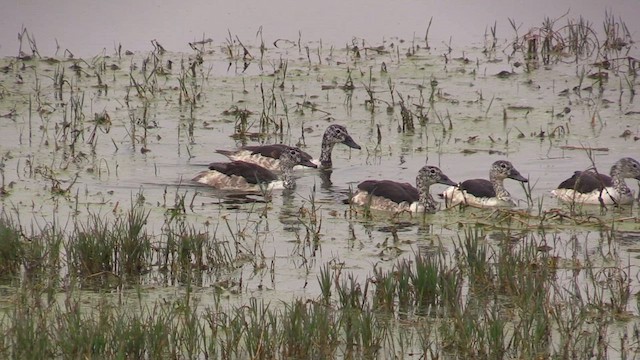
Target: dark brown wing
<point x="274" y="150"/>
<point x="586" y="182"/>
<point x="479" y="188"/>
<point x="254" y="174"/>
<point x="392" y="190"/>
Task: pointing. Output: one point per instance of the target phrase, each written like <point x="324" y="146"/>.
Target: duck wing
<point x="479" y="188"/>
<point x="586" y="182"/>
<point x="392" y="190"/>
<point x="254" y="174"/>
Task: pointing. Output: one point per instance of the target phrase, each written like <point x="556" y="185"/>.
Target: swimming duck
<point x="485" y="193"/>
<point x="589" y="187"/>
<point x="268" y="156"/>
<point x="387" y="195"/>
<point x="246" y="176"/>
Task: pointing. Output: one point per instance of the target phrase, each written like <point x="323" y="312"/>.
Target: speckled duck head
<point x="427" y="176"/>
<point x="500" y="170"/>
<point x="335" y="134"/>
<point x="290" y="158"/>
<point x="503" y="169"/>
<point x="624" y="168"/>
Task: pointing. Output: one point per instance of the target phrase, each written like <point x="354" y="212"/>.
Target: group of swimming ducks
<point x="271" y="166"/>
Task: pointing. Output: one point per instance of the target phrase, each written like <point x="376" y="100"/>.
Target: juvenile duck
<point x="485" y="193"/>
<point x="245" y="176"/>
<point x="589" y="187"/>
<point x="387" y="195"/>
<point x="268" y="156"/>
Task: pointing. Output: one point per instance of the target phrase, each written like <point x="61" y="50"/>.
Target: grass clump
<point x="103" y="252"/>
<point x="11" y="249"/>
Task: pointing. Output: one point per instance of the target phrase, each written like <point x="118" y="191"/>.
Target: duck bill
<point x="444" y="179"/>
<point x="308" y="163"/>
<point x="350" y="143"/>
<point x="515" y="175"/>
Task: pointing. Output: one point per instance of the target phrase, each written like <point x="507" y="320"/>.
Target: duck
<point x="485" y="193"/>
<point x="591" y="187"/>
<point x="268" y="156"/>
<point x="388" y="195"/>
<point x="246" y="176"/>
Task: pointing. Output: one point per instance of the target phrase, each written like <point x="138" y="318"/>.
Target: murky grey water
<point x="112" y="169"/>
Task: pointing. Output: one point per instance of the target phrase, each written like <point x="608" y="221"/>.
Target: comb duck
<point x="268" y="156"/>
<point x="387" y="195"/>
<point x="485" y="193"/>
<point x="590" y="187"/>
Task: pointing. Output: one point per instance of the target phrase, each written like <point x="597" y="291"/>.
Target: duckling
<point x="268" y="156"/>
<point x="387" y="195"/>
<point x="589" y="187"/>
<point x="485" y="193"/>
<point x="246" y="176"/>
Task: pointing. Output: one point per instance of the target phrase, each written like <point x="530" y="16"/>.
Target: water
<point x="111" y="168"/>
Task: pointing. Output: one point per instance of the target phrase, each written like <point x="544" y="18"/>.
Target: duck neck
<point x="287" y="179"/>
<point x="325" y="152"/>
<point x="425" y="199"/>
<point x="288" y="182"/>
<point x="498" y="187"/>
<point x="618" y="181"/>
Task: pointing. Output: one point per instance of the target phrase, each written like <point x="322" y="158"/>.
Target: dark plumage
<point x="252" y="173"/>
<point x="392" y="190"/>
<point x="479" y="188"/>
<point x="586" y="182"/>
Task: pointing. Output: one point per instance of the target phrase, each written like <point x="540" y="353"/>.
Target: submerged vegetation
<point x="106" y="251"/>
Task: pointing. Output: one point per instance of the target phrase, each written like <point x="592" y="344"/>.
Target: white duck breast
<point x="387" y="195"/>
<point x="268" y="156"/>
<point x="589" y="187"/>
<point x="245" y="176"/>
<point x="485" y="193"/>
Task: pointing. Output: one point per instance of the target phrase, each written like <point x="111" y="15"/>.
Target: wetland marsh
<point x="108" y="249"/>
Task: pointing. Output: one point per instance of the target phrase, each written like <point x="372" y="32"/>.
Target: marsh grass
<point x="11" y="248"/>
<point x="91" y="251"/>
<point x="74" y="330"/>
<point x="310" y="330"/>
<point x="102" y="252"/>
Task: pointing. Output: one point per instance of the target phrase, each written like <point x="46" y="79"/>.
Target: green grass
<point x="11" y="248"/>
